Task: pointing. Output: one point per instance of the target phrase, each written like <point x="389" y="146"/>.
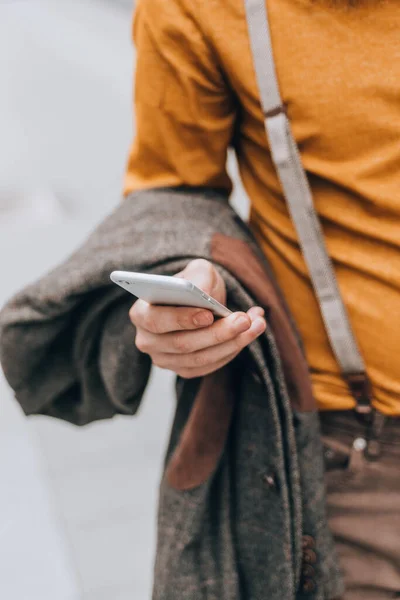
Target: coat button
<point x="307" y="571"/>
<point x="308" y="542"/>
<point x="309" y="556"/>
<point x="269" y="480"/>
<point x="308" y="586"/>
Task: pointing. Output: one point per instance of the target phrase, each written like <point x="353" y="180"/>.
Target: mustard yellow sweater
<point x="339" y="73"/>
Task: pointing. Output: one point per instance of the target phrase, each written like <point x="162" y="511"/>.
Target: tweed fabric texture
<point x="67" y="351"/>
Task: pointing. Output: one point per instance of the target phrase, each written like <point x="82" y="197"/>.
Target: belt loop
<point x="374" y="432"/>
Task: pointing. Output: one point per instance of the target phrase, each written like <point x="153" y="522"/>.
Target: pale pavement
<point x="77" y="506"/>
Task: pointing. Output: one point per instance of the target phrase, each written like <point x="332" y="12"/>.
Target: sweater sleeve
<point x="184" y="109"/>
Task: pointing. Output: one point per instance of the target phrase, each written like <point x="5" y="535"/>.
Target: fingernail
<point x="201" y="319"/>
<point x="259" y="325"/>
<point x="241" y="324"/>
<point x="260" y="311"/>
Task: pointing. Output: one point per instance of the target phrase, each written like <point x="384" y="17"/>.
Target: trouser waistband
<point x="378" y="432"/>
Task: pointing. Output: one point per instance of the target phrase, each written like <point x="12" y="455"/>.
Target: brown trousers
<point x="363" y="486"/>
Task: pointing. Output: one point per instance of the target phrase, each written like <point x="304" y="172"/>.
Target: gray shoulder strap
<point x="286" y="158"/>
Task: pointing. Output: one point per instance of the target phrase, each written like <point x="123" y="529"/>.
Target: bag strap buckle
<point x="277" y="110"/>
<point x="361" y="390"/>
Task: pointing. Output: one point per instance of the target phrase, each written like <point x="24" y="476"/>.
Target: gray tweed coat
<point x="242" y="506"/>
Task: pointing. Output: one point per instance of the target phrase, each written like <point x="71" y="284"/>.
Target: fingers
<point x="185" y="342"/>
<point x="189" y="373"/>
<point x="207" y="358"/>
<point x="164" y="319"/>
<point x="255" y="311"/>
<point x="203" y="274"/>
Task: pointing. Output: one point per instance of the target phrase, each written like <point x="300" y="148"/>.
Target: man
<point x="242" y="511"/>
<point x="338" y="66"/>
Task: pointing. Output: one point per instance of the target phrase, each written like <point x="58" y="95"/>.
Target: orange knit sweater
<point x="339" y="73"/>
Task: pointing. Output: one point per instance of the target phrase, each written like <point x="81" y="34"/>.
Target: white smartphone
<point x="165" y="290"/>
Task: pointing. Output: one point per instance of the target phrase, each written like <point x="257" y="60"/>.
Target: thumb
<point x="203" y="274"/>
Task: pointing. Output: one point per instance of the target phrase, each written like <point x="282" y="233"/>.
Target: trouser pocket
<point x="344" y="459"/>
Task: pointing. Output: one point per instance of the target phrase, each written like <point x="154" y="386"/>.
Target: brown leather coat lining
<point x="203" y="438"/>
<point x="238" y="258"/>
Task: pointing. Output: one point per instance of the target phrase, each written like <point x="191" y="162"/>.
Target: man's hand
<point x="187" y="340"/>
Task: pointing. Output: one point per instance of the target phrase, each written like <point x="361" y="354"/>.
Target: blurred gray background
<point x="77" y="506"/>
